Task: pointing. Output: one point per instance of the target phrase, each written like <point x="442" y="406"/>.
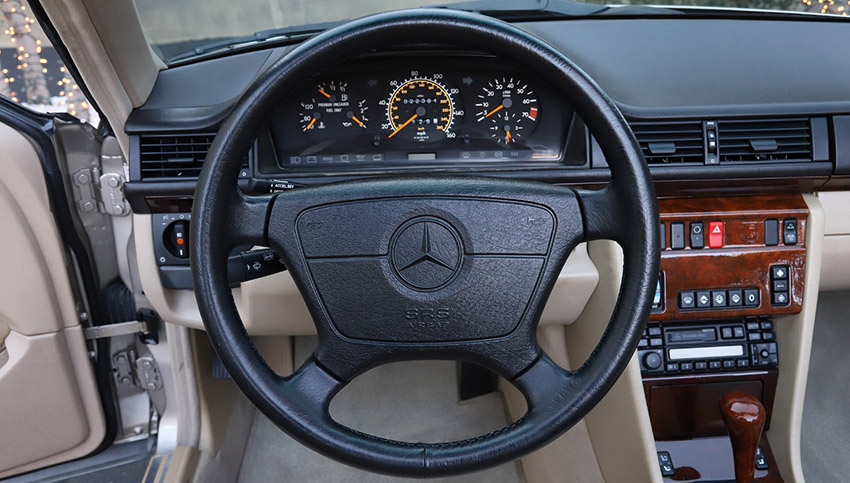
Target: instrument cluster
<point x="420" y="112"/>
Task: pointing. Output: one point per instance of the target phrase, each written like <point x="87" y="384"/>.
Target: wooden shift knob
<point x="744" y="417"/>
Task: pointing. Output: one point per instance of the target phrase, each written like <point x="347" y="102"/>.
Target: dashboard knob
<point x="652" y="360"/>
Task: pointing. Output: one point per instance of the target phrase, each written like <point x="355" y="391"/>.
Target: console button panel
<point x="729" y="345"/>
<point x="719" y="253"/>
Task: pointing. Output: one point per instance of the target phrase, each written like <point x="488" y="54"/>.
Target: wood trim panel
<point x="689" y="409"/>
<point x="744" y="261"/>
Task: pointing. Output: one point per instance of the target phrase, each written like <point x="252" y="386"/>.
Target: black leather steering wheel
<point x="402" y="268"/>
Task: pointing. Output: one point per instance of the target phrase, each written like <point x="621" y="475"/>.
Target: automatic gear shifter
<point x="744" y="417"/>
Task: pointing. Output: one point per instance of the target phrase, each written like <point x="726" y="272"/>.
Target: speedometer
<point x="420" y="109"/>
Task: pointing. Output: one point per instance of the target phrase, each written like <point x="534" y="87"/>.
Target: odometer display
<point x="420" y="110"/>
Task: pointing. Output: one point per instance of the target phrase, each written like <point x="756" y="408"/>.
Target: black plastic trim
<point x="841" y="137"/>
<point x="38" y="128"/>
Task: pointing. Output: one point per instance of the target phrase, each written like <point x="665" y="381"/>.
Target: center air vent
<point x="765" y="140"/>
<point x="173" y="155"/>
<point x="670" y="142"/>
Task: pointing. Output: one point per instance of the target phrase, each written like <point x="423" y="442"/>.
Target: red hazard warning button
<point x="715" y="234"/>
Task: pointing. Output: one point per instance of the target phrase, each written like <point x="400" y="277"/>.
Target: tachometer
<point x="420" y="109"/>
<point x="510" y="109"/>
<point x="331" y="107"/>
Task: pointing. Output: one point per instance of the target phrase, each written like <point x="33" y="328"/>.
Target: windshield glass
<point x="181" y="29"/>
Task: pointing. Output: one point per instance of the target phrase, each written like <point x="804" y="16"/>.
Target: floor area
<point x="410" y="401"/>
<point x="826" y="425"/>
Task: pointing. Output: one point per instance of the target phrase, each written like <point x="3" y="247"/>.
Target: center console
<point x="731" y="269"/>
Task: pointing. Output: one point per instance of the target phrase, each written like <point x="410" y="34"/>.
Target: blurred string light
<point x="828" y="6"/>
<point x="27" y="81"/>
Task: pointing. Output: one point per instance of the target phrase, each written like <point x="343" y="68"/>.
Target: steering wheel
<point x="403" y="268"/>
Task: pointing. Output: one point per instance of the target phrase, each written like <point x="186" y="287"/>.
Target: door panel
<point x="50" y="409"/>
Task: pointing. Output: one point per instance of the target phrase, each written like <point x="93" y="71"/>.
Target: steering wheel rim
<point x="223" y="218"/>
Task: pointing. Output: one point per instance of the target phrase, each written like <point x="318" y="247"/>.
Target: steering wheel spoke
<point x="249" y="219"/>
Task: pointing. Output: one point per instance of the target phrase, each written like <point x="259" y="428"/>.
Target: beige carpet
<point x="410" y="401"/>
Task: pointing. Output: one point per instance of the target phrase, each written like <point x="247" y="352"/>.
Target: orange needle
<point x="494" y="111"/>
<point x="507" y="137"/>
<point x="310" y="126"/>
<point x="403" y="125"/>
<point x="354" y="118"/>
<point x="325" y="94"/>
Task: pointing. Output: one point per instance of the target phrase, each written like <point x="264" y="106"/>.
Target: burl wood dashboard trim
<point x="744" y="261"/>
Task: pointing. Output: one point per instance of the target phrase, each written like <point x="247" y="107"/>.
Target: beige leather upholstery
<point x="49" y="406"/>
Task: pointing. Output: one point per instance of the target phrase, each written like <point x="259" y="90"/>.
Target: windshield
<point x="182" y="29"/>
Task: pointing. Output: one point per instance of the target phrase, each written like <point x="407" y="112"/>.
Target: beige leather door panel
<point x="50" y="410"/>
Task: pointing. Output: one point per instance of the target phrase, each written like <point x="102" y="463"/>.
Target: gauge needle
<point x="507" y="137"/>
<point x="354" y="118"/>
<point x="310" y="126"/>
<point x="403" y="125"/>
<point x="494" y="111"/>
<point x="324" y="93"/>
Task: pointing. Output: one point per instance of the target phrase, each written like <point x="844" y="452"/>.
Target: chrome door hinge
<point x="100" y="192"/>
<point x="132" y="369"/>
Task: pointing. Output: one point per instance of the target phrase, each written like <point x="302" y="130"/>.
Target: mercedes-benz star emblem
<point x="426" y="253"/>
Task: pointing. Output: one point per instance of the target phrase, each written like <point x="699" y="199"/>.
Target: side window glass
<point x="31" y="71"/>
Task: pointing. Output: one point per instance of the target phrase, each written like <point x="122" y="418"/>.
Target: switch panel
<point x="720" y="251"/>
<point x="718" y="298"/>
<point x="779" y="286"/>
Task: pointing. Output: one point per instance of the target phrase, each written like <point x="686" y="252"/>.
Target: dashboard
<point x="426" y="110"/>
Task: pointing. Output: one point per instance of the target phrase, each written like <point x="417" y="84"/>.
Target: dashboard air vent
<point x="670" y="142"/>
<point x="173" y="155"/>
<point x="765" y="140"/>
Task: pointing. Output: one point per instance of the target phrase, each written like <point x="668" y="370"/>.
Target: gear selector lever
<point x="744" y="417"/>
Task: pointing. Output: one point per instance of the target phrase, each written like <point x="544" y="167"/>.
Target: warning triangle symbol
<point x="716" y="229"/>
